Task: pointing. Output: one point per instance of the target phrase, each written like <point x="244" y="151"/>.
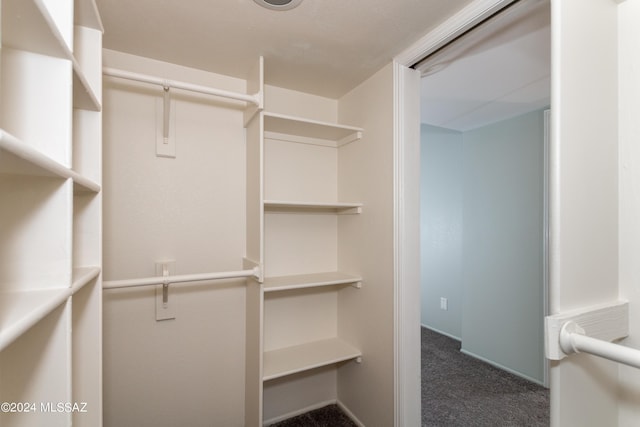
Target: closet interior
<point x="50" y="205"/>
<point x="300" y="225"/>
<point x="295" y="216"/>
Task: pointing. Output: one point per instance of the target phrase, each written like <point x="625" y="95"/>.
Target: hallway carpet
<point x="459" y="390"/>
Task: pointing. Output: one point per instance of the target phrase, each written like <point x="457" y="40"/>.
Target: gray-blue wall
<point x="482" y="230"/>
<point x="441" y="228"/>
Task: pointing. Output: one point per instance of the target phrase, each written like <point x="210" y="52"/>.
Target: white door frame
<point x="406" y="204"/>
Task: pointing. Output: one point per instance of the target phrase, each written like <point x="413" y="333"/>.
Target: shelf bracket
<point x="165" y="124"/>
<point x="357" y="285"/>
<point x="358" y="359"/>
<point x="607" y="322"/>
<point x="166" y="114"/>
<point x="163" y="310"/>
<point x="165" y="295"/>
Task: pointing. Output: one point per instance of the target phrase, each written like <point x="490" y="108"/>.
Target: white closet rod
<point x="184" y="278"/>
<point x="112" y="72"/>
<point x="573" y="340"/>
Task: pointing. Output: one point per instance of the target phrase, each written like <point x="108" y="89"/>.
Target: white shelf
<point x="21" y="159"/>
<point x="297" y="129"/>
<point x="87" y="68"/>
<point x="28" y="26"/>
<point x="84" y="96"/>
<point x="20" y="310"/>
<point x="301" y="281"/>
<point x="82" y="276"/>
<point x="340" y="208"/>
<point x="299" y="358"/>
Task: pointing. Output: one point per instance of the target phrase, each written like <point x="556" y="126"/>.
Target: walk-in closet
<point x="209" y="212"/>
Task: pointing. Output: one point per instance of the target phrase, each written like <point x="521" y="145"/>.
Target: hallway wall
<point x="493" y="272"/>
<point x="502" y="317"/>
<point x="441" y="186"/>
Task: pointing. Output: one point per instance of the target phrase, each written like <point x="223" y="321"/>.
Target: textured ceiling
<point x="324" y="47"/>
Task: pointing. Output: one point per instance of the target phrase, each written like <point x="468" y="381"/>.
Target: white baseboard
<point x="298" y="412"/>
<point x="341" y="405"/>
<point x="350" y="414"/>
<point x="504" y="368"/>
<point x="441" y="332"/>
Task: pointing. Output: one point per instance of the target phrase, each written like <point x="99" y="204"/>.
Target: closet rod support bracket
<point x="164" y="311"/>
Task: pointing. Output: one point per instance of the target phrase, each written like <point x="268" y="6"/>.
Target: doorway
<point x="484" y="103"/>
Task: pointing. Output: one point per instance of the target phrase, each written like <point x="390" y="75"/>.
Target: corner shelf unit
<point x="293" y="216"/>
<point x="50" y="205"/>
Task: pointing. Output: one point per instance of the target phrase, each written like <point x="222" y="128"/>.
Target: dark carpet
<point x="459" y="390"/>
<point x="328" y="416"/>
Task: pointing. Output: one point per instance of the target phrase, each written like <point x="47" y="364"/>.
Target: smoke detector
<point x="278" y="4"/>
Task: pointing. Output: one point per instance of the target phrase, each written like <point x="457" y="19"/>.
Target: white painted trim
<point x="545" y="231"/>
<point x="465" y="19"/>
<point x="350" y="414"/>
<point x="406" y="150"/>
<point x="501" y="367"/>
<point x="313" y="407"/>
<point x="299" y="412"/>
<point x="555" y="205"/>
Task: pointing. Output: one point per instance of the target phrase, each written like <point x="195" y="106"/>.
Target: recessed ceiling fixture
<point x="278" y="4"/>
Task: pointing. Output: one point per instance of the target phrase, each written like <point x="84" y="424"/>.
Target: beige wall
<point x="365" y="171"/>
<point x="187" y="371"/>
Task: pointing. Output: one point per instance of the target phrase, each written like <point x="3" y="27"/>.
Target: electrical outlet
<point x="444" y="303"/>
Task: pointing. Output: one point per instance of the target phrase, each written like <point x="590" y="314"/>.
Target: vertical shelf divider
<point x="254" y="125"/>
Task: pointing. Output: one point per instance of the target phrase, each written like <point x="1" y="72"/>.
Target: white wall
<point x="187" y="371"/>
<point x="629" y="229"/>
<point x="441" y="186"/>
<point x="482" y="231"/>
